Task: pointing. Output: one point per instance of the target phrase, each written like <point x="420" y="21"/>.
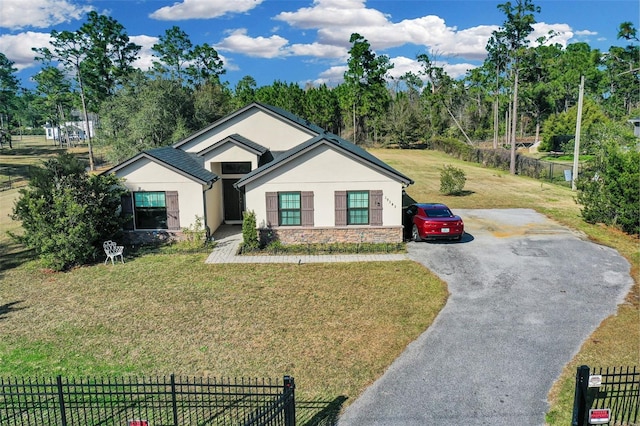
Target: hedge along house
<point x="304" y="185"/>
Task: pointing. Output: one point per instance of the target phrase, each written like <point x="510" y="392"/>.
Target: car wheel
<point x="415" y="235"/>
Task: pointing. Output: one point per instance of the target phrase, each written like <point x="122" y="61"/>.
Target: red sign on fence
<point x="599" y="416"/>
<point x="138" y="423"/>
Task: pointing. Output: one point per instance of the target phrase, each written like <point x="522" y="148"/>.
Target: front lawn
<point x="334" y="327"/>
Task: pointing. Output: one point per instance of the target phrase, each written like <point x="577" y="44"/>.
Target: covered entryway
<point x="232" y="200"/>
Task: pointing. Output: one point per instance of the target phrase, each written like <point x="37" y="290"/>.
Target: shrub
<point x="452" y="180"/>
<point x="249" y="231"/>
<point x="195" y="235"/>
<point x="66" y="213"/>
<point x="609" y="187"/>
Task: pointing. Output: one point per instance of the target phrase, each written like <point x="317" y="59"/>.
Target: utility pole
<point x="576" y="147"/>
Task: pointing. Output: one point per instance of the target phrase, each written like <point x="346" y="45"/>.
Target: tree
<point x="609" y="188"/>
<point x="365" y="81"/>
<point x="513" y="35"/>
<point x="211" y="101"/>
<point x="205" y="66"/>
<point x="441" y="92"/>
<point x="109" y="57"/>
<point x="97" y="55"/>
<point x="173" y="51"/>
<point x="322" y="107"/>
<point x="245" y="91"/>
<point x="146" y="114"/>
<point x="564" y="124"/>
<point x="66" y="213"/>
<point x="8" y="91"/>
<point x="55" y="97"/>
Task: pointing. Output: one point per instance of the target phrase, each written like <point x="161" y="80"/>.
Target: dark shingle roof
<point x="335" y="140"/>
<point x="183" y="162"/>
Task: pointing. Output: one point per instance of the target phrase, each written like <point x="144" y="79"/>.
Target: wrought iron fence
<point x="609" y="396"/>
<point x="159" y="401"/>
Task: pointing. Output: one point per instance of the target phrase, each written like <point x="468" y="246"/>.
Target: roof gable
<point x="279" y="113"/>
<point x="336" y="142"/>
<point x="174" y="159"/>
<point x="238" y="140"/>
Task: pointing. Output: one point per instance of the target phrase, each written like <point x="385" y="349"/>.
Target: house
<point x="76" y="130"/>
<point x="304" y="184"/>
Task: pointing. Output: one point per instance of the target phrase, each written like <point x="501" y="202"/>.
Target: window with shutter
<point x="150" y="210"/>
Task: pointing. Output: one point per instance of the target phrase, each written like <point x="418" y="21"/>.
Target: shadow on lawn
<point x="13" y="255"/>
<point x="319" y="413"/>
<point x="8" y="308"/>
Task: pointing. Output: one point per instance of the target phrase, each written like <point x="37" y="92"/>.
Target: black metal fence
<point x="609" y="396"/>
<point x="159" y="401"/>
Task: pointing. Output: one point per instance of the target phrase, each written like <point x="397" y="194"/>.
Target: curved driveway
<point x="525" y="293"/>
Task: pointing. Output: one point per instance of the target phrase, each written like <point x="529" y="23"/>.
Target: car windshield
<point x="438" y="212"/>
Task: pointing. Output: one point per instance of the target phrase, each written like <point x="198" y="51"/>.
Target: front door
<point x="232" y="201"/>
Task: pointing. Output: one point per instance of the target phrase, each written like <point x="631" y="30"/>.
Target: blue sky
<point x="306" y="41"/>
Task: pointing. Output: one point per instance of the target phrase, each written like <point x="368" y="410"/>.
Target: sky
<point x="307" y="41"/>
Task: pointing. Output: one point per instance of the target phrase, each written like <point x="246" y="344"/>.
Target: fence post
<point x="63" y="413"/>
<point x="580" y="396"/>
<point x="174" y="401"/>
<point x="290" y="406"/>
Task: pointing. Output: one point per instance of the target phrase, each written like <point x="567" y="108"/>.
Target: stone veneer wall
<point x="299" y="235"/>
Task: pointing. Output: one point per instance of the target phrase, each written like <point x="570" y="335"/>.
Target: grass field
<point x="335" y="327"/>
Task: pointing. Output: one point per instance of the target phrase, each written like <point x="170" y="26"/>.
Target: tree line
<point x="521" y="89"/>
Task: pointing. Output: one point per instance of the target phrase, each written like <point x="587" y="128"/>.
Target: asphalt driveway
<point x="525" y="293"/>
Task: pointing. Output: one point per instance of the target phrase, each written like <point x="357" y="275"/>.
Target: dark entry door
<point x="232" y="201"/>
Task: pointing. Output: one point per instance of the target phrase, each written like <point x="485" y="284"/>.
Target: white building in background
<point x="77" y="130"/>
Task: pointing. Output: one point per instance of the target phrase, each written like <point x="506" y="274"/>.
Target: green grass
<point x="334" y="327"/>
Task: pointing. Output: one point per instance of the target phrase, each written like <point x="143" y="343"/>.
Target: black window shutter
<point x="126" y="201"/>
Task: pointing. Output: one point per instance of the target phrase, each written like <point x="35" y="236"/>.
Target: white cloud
<point x="319" y="50"/>
<point x="203" y="9"/>
<point x="457" y="70"/>
<point x="586" y="33"/>
<point x="561" y="33"/>
<point x="333" y="14"/>
<point x="17" y="48"/>
<point x="19" y="14"/>
<point x="145" y="56"/>
<point x="260" y="47"/>
<point x="403" y="65"/>
<point x="332" y="76"/>
<point x="336" y="20"/>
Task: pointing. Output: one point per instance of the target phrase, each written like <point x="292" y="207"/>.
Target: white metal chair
<point x="111" y="249"/>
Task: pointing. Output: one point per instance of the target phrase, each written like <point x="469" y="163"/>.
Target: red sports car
<point x="432" y="221"/>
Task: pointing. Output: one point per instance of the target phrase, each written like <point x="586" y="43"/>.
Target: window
<point x="289" y="209"/>
<point x="150" y="210"/>
<point x="236" y="168"/>
<point x="357" y="207"/>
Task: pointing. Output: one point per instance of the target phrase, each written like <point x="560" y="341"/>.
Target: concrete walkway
<point x="229" y="237"/>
